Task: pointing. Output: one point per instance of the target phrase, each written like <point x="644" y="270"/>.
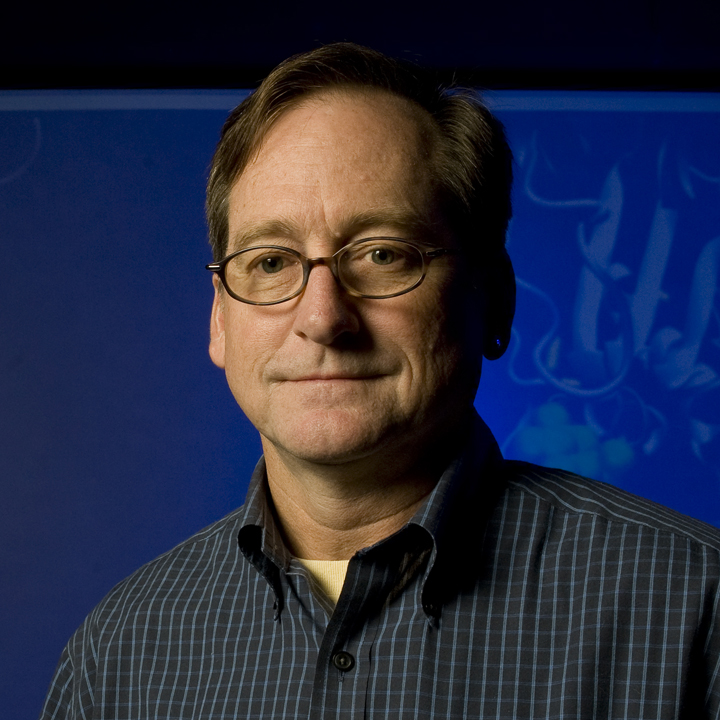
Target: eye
<point x="382" y="256"/>
<point x="272" y="264"/>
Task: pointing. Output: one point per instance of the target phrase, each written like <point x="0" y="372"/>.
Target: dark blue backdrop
<point x="118" y="438"/>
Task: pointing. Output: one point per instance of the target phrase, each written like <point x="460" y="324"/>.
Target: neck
<point x="329" y="512"/>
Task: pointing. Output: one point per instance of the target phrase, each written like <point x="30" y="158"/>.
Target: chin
<point x="332" y="437"/>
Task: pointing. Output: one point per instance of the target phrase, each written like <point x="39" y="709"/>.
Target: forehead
<point x="339" y="153"/>
<point x="353" y="112"/>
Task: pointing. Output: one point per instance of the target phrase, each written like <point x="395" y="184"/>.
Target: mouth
<point x="333" y="378"/>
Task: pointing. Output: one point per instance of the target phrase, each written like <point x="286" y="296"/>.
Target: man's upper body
<point x="514" y="592"/>
<point x="357" y="216"/>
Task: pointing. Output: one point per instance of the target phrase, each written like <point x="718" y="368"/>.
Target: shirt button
<point x="343" y="661"/>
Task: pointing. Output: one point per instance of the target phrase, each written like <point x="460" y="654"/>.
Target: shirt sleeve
<point x="712" y="662"/>
<point x="71" y="695"/>
<point x="59" y="698"/>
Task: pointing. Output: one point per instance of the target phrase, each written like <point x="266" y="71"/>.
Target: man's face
<point x="326" y="377"/>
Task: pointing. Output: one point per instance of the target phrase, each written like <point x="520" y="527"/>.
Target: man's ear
<point x="499" y="306"/>
<point x="217" y="325"/>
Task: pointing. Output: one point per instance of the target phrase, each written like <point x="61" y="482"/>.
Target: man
<point x="388" y="562"/>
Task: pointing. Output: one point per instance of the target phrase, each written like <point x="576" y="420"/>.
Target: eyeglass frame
<point x="331" y="262"/>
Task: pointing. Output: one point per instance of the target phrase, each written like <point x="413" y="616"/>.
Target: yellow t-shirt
<point x="328" y="574"/>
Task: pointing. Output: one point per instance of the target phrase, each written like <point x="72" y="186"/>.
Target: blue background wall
<point x="118" y="438"/>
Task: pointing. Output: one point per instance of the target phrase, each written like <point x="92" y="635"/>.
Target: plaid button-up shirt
<point x="515" y="592"/>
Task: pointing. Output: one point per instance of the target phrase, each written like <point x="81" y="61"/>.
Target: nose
<point x="324" y="311"/>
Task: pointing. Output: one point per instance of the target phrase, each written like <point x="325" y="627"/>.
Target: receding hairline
<point x="428" y="129"/>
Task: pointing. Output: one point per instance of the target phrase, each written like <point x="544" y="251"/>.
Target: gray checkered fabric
<point x="516" y="592"/>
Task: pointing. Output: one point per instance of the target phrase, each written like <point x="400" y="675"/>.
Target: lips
<point x="330" y="378"/>
<point x="328" y="374"/>
<point x="303" y="371"/>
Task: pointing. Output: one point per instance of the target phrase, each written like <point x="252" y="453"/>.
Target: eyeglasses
<point x="372" y="268"/>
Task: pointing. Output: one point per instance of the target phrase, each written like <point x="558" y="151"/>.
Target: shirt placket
<point x="341" y="673"/>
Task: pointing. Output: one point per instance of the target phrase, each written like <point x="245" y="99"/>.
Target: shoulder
<point x="189" y="569"/>
<point x="574" y="495"/>
<point x="165" y="601"/>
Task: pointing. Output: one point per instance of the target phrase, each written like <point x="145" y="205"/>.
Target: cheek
<point x="431" y="338"/>
<point x="450" y="337"/>
<point x="250" y="342"/>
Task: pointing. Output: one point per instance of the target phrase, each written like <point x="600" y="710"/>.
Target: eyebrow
<point x="405" y="222"/>
<point x="260" y="231"/>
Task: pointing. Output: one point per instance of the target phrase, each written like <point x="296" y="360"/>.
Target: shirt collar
<point x="257" y="520"/>
<point x="470" y="479"/>
<point x="454" y="512"/>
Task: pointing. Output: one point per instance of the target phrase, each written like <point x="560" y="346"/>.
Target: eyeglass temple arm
<point x="438" y="252"/>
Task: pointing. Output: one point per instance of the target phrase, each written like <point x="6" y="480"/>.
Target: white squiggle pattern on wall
<point x="593" y="365"/>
